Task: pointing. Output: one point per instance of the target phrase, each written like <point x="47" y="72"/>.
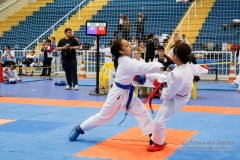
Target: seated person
<point x="10" y="57"/>
<point x="107" y="53"/>
<point x="10" y="74"/>
<point x="137" y="55"/>
<point x="142" y="49"/>
<point x="162" y="58"/>
<point x="30" y="60"/>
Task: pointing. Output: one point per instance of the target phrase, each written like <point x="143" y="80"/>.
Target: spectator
<point x="171" y="51"/>
<point x="140" y="25"/>
<point x="126" y="28"/>
<point x="210" y="46"/>
<point x="10" y="57"/>
<point x="30" y="60"/>
<point x="175" y="38"/>
<point x="53" y="43"/>
<point x="142" y="49"/>
<point x="112" y="40"/>
<point x="107" y="53"/>
<point x="162" y="58"/>
<point x="120" y="23"/>
<point x="47" y="50"/>
<point x="10" y="74"/>
<point x="68" y="47"/>
<point x="150" y="48"/>
<point x="137" y="55"/>
<point x="184" y="39"/>
<point x="78" y="39"/>
<point x="134" y="42"/>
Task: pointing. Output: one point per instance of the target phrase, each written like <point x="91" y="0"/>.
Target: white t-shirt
<point x="8" y="57"/>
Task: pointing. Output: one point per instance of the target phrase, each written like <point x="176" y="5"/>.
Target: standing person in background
<point x="142" y="49"/>
<point x="184" y="39"/>
<point x="120" y="23"/>
<point x="53" y="43"/>
<point x="55" y="54"/>
<point x="150" y="48"/>
<point x="48" y="56"/>
<point x="78" y="40"/>
<point x="10" y="57"/>
<point x="140" y="25"/>
<point x="126" y="28"/>
<point x="68" y="46"/>
<point x="175" y="38"/>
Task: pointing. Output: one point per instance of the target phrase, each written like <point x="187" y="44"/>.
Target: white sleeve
<point x="140" y="68"/>
<point x="175" y="84"/>
<point x="12" y="53"/>
<point x="160" y="77"/>
<point x="4" y="54"/>
<point x="198" y="70"/>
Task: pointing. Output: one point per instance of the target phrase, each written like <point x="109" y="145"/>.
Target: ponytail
<point x="183" y="51"/>
<point x="116" y="47"/>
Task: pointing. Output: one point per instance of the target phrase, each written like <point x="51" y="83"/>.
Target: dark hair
<point x="48" y="40"/>
<point x="160" y="48"/>
<point x="183" y="52"/>
<point x="67" y="29"/>
<point x="33" y="51"/>
<point x="53" y="38"/>
<point x="150" y="35"/>
<point x="116" y="47"/>
<point x="8" y="47"/>
<point x="13" y="66"/>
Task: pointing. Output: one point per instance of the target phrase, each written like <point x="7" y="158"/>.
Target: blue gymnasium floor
<point x="40" y="131"/>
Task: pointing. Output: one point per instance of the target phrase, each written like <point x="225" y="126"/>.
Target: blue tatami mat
<point x="216" y="86"/>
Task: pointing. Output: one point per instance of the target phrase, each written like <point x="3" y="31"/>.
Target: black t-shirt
<point x="68" y="54"/>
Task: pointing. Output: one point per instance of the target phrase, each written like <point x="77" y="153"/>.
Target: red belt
<point x="181" y="95"/>
<point x="153" y="94"/>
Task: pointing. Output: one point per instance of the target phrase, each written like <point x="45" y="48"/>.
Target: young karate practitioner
<point x="10" y="74"/>
<point x="177" y="93"/>
<point x="121" y="94"/>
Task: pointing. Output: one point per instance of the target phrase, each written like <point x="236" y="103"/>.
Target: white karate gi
<point x="117" y="97"/>
<point x="175" y="97"/>
<point x="10" y="75"/>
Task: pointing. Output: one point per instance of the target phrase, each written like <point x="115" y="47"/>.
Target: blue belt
<point x="129" y="87"/>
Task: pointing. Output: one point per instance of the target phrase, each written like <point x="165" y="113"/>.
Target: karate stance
<point x="177" y="93"/>
<point x="121" y="95"/>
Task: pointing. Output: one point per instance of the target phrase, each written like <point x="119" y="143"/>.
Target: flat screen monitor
<point x="95" y="28"/>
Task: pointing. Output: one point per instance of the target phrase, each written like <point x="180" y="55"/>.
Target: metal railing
<point x="52" y="28"/>
<point x="186" y="17"/>
<point x="9" y="3"/>
<point x="221" y="58"/>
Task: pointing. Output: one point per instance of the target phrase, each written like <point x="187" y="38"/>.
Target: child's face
<point x="126" y="48"/>
<point x="11" y="67"/>
<point x="161" y="53"/>
<point x="48" y="44"/>
<point x="137" y="55"/>
<point x="32" y="53"/>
